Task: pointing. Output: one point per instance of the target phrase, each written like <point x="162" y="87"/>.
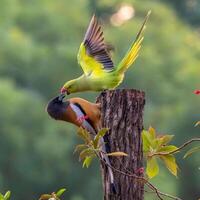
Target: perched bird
<point x="77" y="111"/>
<point x="83" y="114"/>
<point x="94" y="58"/>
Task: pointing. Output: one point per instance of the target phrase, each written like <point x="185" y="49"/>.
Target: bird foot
<point x="82" y="118"/>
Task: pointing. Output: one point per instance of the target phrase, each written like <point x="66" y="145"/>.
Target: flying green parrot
<point x="94" y="58"/>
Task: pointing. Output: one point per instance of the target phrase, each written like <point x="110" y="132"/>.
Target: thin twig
<point x="155" y="189"/>
<point x="169" y="196"/>
<point x="179" y="148"/>
<point x="185" y="144"/>
<point x="164" y="194"/>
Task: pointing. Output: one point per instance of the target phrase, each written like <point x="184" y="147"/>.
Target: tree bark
<point x="122" y="113"/>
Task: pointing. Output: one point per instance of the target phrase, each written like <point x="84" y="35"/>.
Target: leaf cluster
<point x="156" y="148"/>
<point x="92" y="146"/>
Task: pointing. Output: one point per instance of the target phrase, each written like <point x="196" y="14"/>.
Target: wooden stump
<point x="122" y="113"/>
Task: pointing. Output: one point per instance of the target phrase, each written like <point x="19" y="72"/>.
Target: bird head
<point x="69" y="87"/>
<point x="56" y="107"/>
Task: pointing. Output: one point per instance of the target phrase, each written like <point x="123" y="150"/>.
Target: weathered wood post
<point x="122" y="113"/>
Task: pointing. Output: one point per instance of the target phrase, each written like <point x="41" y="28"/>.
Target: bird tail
<point x="105" y="148"/>
<point x="132" y="53"/>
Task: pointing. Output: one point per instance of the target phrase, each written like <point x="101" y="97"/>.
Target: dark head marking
<point x="56" y="107"/>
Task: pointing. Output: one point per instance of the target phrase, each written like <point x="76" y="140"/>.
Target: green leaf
<point x="150" y="142"/>
<point x="80" y="147"/>
<point x="191" y="151"/>
<point x="117" y="153"/>
<point x="1" y="197"/>
<point x="87" y="161"/>
<point x="45" y="197"/>
<point x="60" y="192"/>
<point x="167" y="149"/>
<point x="100" y="134"/>
<point x="197" y="124"/>
<point x="146" y="141"/>
<point x="170" y="163"/>
<point x="152" y="167"/>
<point x="85" y="135"/>
<point x="152" y="132"/>
<point x="85" y="153"/>
<point x="7" y="195"/>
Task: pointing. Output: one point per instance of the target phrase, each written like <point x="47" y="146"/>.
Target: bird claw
<point x="82" y="118"/>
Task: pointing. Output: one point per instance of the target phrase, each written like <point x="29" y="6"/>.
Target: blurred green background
<point x="39" y="40"/>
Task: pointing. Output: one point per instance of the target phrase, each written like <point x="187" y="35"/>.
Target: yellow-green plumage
<point x="98" y="68"/>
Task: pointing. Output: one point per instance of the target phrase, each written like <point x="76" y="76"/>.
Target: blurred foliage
<point x="53" y="196"/>
<point x="6" y="196"/>
<point x="39" y="42"/>
<point x="189" y="10"/>
<point x="197" y="123"/>
<point x="191" y="151"/>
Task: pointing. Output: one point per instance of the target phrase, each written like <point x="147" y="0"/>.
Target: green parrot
<point x="94" y="58"/>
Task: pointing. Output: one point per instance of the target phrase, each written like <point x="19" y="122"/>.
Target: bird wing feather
<point x="86" y="125"/>
<point x="93" y="55"/>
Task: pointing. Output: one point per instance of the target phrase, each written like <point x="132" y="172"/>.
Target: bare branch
<point x="185" y="144"/>
<point x="169" y="196"/>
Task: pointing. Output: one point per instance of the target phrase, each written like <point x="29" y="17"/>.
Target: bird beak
<point x="61" y="97"/>
<point x="64" y="91"/>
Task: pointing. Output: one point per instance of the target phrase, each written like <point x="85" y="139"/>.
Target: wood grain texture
<point x="122" y="113"/>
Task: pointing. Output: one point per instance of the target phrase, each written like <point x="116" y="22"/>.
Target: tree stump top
<point x="133" y="92"/>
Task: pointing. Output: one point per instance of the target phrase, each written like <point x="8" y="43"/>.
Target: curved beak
<point x="64" y="91"/>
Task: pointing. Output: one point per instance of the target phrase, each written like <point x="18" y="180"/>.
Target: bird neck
<point x="82" y="83"/>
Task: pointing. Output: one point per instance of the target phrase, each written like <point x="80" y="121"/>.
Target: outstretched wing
<point x="93" y="55"/>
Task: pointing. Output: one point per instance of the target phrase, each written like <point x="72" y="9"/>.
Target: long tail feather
<point x="105" y="148"/>
<point x="132" y="53"/>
